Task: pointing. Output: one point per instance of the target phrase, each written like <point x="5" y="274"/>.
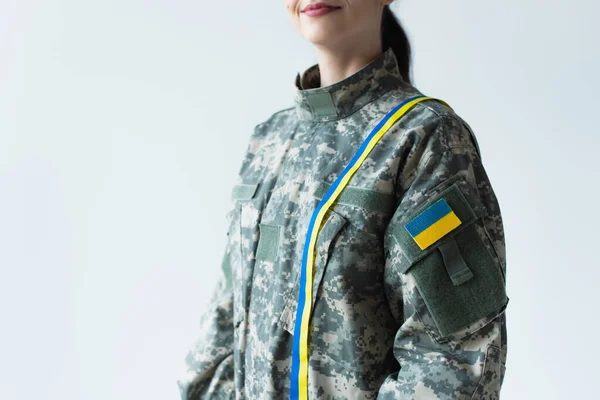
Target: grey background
<point x="122" y="127"/>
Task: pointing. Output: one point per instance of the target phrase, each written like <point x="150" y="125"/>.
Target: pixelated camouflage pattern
<point x="372" y="335"/>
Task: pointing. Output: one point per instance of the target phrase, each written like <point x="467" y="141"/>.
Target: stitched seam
<point x="362" y="231"/>
<point x="415" y="170"/>
<point x="495" y="255"/>
<point x="343" y="366"/>
<point x="275" y="114"/>
<point x="291" y="293"/>
<point x="458" y="119"/>
<point x="427" y="156"/>
<point x="342" y="203"/>
<point x="485" y="368"/>
<point x="445" y="124"/>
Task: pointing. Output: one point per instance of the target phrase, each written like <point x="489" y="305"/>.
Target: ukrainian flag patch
<point x="432" y="224"/>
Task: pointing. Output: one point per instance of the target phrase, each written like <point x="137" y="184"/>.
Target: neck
<point x="317" y="103"/>
<point x="338" y="64"/>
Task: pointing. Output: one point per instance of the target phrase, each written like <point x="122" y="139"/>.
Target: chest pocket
<point x="243" y="220"/>
<point x="325" y="240"/>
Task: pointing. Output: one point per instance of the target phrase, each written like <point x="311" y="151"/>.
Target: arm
<point x="209" y="364"/>
<point x="448" y="293"/>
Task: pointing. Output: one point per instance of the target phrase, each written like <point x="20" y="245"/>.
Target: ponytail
<point x="392" y="35"/>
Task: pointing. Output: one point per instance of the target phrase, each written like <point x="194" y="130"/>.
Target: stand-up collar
<point x="315" y="103"/>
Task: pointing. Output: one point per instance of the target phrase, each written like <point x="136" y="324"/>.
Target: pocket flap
<point x="435" y="221"/>
<point x="269" y="240"/>
<point x="243" y="191"/>
<point x="360" y="197"/>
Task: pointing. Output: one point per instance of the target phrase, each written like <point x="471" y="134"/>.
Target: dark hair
<point x="392" y="35"/>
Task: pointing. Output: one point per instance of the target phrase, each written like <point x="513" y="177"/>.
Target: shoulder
<point x="449" y="124"/>
<point x="265" y="135"/>
<point x="275" y="121"/>
<point x="430" y="123"/>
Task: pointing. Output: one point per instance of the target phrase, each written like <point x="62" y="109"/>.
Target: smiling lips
<point x="318" y="9"/>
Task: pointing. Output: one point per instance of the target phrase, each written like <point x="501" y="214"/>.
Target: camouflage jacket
<point x="389" y="320"/>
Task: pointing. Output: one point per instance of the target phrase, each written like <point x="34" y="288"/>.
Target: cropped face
<point x="336" y="22"/>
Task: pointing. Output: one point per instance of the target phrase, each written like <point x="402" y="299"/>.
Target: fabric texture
<point x="389" y="320"/>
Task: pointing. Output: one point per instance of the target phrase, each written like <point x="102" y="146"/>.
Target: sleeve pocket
<point x="444" y="251"/>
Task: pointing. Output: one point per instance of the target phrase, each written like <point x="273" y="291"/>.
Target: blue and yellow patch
<point x="432" y="224"/>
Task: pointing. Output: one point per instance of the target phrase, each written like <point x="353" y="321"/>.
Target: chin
<point x="321" y="37"/>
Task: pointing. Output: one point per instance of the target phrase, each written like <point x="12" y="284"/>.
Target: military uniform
<point x="396" y="314"/>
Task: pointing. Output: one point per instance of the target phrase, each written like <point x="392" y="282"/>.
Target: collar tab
<point x="340" y="99"/>
<point x="321" y="104"/>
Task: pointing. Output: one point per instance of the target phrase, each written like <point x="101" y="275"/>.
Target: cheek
<point x="291" y="5"/>
<point x="292" y="8"/>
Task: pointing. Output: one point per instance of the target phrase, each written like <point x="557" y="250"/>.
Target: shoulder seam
<point x="270" y="118"/>
<point x="273" y="115"/>
<point x="281" y="111"/>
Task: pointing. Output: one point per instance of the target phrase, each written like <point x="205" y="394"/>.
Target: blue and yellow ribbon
<point x="299" y="374"/>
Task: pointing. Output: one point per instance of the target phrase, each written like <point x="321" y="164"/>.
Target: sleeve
<point x="445" y="274"/>
<point x="209" y="365"/>
<point x="208" y="371"/>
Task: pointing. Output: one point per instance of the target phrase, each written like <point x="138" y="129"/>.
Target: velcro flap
<point x="360" y="197"/>
<point x="435" y="221"/>
<point x="243" y="191"/>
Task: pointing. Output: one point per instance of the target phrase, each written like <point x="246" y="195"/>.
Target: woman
<point x="370" y="200"/>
